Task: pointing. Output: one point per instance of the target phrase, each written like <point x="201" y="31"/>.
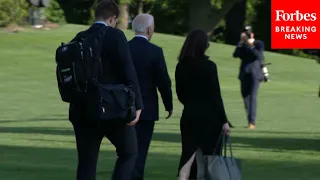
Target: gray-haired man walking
<point x="152" y="74"/>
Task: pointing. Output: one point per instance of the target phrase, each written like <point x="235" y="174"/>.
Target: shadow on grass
<point x="37" y="163"/>
<point x="280" y="132"/>
<point x="37" y="130"/>
<point x="56" y="118"/>
<point x="279" y="143"/>
<point x="283" y="143"/>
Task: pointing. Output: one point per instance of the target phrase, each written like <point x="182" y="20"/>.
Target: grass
<point x="37" y="141"/>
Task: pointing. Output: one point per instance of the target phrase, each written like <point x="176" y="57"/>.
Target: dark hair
<point x="195" y="45"/>
<point x="106" y="9"/>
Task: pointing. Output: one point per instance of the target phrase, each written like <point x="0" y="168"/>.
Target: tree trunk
<point x="202" y="15"/>
<point x="262" y="23"/>
<point x="235" y="22"/>
<point x="123" y="17"/>
<point x="140" y="6"/>
<point x="198" y="14"/>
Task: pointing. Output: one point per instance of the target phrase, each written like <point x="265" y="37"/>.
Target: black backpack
<point x="78" y="65"/>
<point x="79" y="69"/>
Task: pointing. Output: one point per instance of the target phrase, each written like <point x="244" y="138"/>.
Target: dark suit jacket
<point x="117" y="65"/>
<point x="252" y="59"/>
<point x="152" y="73"/>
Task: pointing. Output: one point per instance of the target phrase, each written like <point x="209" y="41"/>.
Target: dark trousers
<point x="89" y="137"/>
<point x="249" y="91"/>
<point x="144" y="129"/>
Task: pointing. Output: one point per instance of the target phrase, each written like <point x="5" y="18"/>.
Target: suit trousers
<point x="89" y="137"/>
<point x="144" y="130"/>
<point x="249" y="92"/>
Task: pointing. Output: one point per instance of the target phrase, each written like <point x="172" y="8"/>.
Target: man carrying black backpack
<point x="96" y="76"/>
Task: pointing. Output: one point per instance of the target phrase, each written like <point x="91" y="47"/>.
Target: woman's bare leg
<point x="185" y="170"/>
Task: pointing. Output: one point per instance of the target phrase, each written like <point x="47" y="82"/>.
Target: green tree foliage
<point x="82" y="11"/>
<point x="208" y="14"/>
<point x="54" y="13"/>
<point x="13" y="12"/>
<point x="251" y="11"/>
<point x="177" y="17"/>
<point x="78" y="11"/>
<point x="261" y="22"/>
<point x="171" y="16"/>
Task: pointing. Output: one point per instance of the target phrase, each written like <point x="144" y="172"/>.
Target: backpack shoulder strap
<point x="95" y="35"/>
<point x="79" y="36"/>
<point x="99" y="41"/>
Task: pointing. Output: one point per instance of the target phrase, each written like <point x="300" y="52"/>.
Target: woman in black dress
<point x="203" y="117"/>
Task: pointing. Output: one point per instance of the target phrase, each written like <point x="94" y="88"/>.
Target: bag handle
<point x="225" y="142"/>
<point x="228" y="142"/>
<point x="221" y="138"/>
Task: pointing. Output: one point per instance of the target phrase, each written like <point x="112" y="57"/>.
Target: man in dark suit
<point x="152" y="74"/>
<point x="250" y="52"/>
<point x="117" y="68"/>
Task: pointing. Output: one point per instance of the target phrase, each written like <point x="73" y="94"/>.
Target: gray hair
<point x="141" y="23"/>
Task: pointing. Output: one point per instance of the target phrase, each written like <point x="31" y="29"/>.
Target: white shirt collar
<point x="142" y="36"/>
<point x="101" y="22"/>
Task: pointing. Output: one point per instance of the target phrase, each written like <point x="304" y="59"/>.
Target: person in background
<point x="203" y="117"/>
<point x="250" y="51"/>
<point x="152" y="74"/>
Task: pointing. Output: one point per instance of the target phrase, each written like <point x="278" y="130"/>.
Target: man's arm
<point x="238" y="51"/>
<point x="163" y="81"/>
<point x="258" y="54"/>
<point x="124" y="57"/>
<point x="258" y="50"/>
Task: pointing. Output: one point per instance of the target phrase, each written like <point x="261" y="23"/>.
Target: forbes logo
<point x="281" y="15"/>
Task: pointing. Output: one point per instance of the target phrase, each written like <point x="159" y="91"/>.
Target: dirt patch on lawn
<point x="45" y="25"/>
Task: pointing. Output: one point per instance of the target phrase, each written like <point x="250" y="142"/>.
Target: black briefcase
<point x="116" y="103"/>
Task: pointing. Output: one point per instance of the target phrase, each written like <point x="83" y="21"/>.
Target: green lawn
<point x="37" y="141"/>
